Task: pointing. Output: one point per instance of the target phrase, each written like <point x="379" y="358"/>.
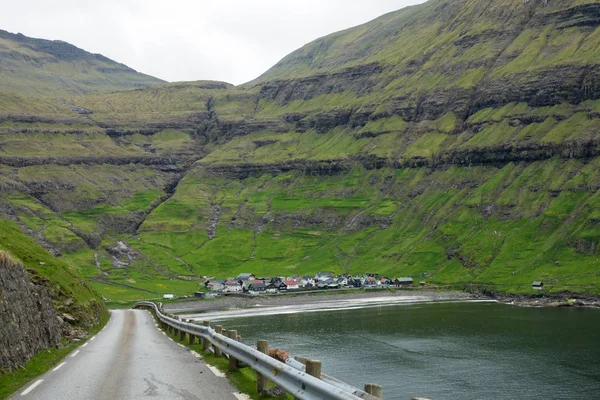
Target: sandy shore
<point x="237" y="302"/>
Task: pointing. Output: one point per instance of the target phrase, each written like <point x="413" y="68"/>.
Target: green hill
<point x="454" y="141"/>
<point x="37" y="67"/>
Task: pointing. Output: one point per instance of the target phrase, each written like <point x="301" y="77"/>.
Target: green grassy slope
<point x="498" y="227"/>
<point x="66" y="282"/>
<point x="37" y="67"/>
<point x="454" y="141"/>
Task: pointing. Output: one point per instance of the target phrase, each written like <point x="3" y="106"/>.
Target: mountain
<point x="31" y="66"/>
<point x="455" y="142"/>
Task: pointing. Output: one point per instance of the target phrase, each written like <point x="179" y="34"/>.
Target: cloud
<point x="229" y="40"/>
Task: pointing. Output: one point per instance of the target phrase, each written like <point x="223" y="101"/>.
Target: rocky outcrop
<point x="167" y="163"/>
<point x="28" y="321"/>
<point x="360" y="80"/>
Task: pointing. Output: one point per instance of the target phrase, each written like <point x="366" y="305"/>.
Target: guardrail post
<point x="192" y="337"/>
<point x="262" y="382"/>
<point x="219" y="330"/>
<point x="374" y="389"/>
<point x="233" y="363"/>
<point x="313" y="368"/>
<point x="176" y="329"/>
<point x="205" y="342"/>
<point x="181" y="335"/>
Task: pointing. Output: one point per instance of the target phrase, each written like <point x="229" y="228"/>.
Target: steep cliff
<point x="42" y="301"/>
<point x="28" y="322"/>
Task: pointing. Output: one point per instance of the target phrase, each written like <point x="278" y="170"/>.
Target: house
<point x="246" y="286"/>
<point x="423" y="283"/>
<point x="245" y="277"/>
<point x="215" y="286"/>
<point x="403" y="282"/>
<point x="276" y="285"/>
<point x="256" y="288"/>
<point x="323" y="284"/>
<point x="537" y="285"/>
<point x="168" y="296"/>
<point x="292" y="284"/>
<point x="307" y="282"/>
<point x="199" y="295"/>
<point x="371" y="281"/>
<point x="323" y="276"/>
<point x="275" y="282"/>
<point x="356" y="282"/>
<point x="385" y="282"/>
<point x="232" y="285"/>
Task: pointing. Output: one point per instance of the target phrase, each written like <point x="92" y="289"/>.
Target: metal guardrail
<point x="291" y="375"/>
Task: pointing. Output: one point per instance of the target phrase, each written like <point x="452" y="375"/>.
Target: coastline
<point x="239" y="302"/>
<point x="303" y="299"/>
<point x="557" y="300"/>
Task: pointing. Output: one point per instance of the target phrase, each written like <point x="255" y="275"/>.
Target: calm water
<point x="466" y="350"/>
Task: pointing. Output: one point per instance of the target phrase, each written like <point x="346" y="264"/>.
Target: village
<point x="247" y="283"/>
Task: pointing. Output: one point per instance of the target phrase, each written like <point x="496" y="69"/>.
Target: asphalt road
<point x="130" y="359"/>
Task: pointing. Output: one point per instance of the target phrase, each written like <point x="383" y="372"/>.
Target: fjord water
<point x="448" y="350"/>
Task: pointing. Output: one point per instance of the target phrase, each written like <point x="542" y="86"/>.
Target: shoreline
<point x="253" y="302"/>
<point x="558" y="300"/>
<point x="237" y="302"/>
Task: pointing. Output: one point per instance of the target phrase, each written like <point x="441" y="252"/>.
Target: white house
<point x="232" y="286"/>
<point x="168" y="296"/>
<point x="292" y="284"/>
<point x="215" y="286"/>
<point x="307" y="281"/>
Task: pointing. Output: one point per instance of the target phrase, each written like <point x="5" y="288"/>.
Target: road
<point x="130" y="359"/>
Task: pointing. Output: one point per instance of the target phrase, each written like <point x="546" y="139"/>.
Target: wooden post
<point x="377" y="391"/>
<point x="374" y="389"/>
<point x="192" y="337"/>
<point x="218" y="352"/>
<point x="313" y="368"/>
<point x="262" y="382"/>
<point x="205" y="342"/>
<point x="233" y="363"/>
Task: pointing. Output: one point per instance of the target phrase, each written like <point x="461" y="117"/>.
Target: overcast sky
<point x="227" y="40"/>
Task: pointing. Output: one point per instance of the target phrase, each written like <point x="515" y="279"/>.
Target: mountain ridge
<point x="56" y="67"/>
<point x="456" y="141"/>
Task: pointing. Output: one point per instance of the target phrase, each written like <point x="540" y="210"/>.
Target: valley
<point x="455" y="141"/>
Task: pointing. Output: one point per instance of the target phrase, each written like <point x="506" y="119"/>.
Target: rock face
<point x="28" y="321"/>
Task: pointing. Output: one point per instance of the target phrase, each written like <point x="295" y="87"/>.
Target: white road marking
<point x="171" y="340"/>
<point x="164" y="334"/>
<point x="93" y="338"/>
<point x="58" y="367"/>
<point x="197" y="355"/>
<point x="241" y="396"/>
<point x="74" y="354"/>
<point x="216" y="371"/>
<point x="86" y="343"/>
<point x="30" y="388"/>
<point x="180" y="345"/>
